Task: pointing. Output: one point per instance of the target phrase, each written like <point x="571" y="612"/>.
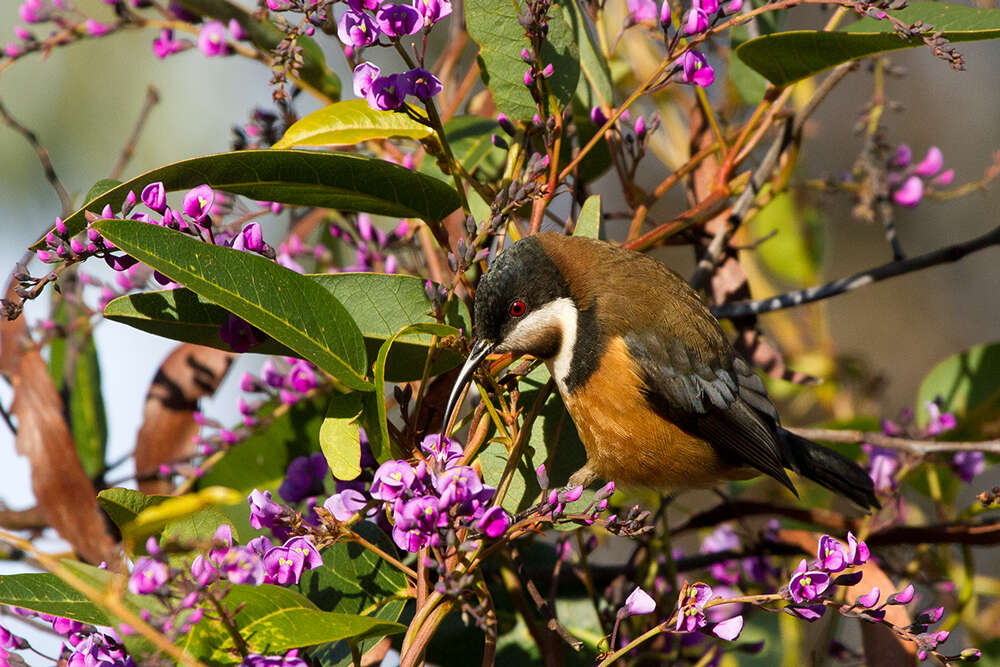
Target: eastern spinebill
<point x="658" y="394"/>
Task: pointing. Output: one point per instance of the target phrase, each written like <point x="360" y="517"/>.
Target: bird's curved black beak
<point x="480" y="348"/>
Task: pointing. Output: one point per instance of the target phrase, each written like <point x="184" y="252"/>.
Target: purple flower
<point x="278" y="5"/>
<point x="939" y="421"/>
<point x="346" y="504"/>
<point x="264" y="512"/>
<point x="807" y="584"/>
<point x="357" y="29"/>
<point x="419" y="513"/>
<point x="422" y="83"/>
<point x="729" y="629"/>
<point x="461" y="486"/>
<point x="304" y="478"/>
<point x="364" y="75"/>
<point x="301" y="377"/>
<point x="237" y="31"/>
<point x="809" y="612"/>
<point x="733" y="7"/>
<point x="857" y="550"/>
<point x="239" y="334"/>
<point x="283" y="566"/>
<point x="708" y="6"/>
<point x="695" y="21"/>
<point x="198" y="201"/>
<point x="910" y="193"/>
<point x="638" y="603"/>
<point x="830" y="553"/>
<point x="968" y="464"/>
<point x="212" y="39"/>
<point x="147" y="576"/>
<point x="10" y="641"/>
<point x="882" y="467"/>
<point x="32" y="11"/>
<point x="165" y="45"/>
<point x="154" y="196"/>
<point x="723" y="538"/>
<point x="203" y="570"/>
<point x="96" y="28"/>
<point x="904" y="596"/>
<point x="695" y="69"/>
<point x="665" y="14"/>
<point x="432" y="11"/>
<point x="388" y="93"/>
<point x="396" y="20"/>
<point x="640" y="11"/>
<point x="66" y="626"/>
<point x="250" y="238"/>
<point x="444" y="450"/>
<point x="932" y="162"/>
<point x="290" y="659"/>
<point x="411" y="540"/>
<point x="494" y="522"/>
<point x="243" y="566"/>
<point x="691" y="607"/>
<point x="391" y="479"/>
<point x="223" y="540"/>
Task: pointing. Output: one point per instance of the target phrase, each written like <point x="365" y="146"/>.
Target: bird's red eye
<point x="517" y="308"/>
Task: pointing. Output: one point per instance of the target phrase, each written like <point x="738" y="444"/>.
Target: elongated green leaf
<point x="749" y="83"/>
<point x="588" y="222"/>
<point x="440" y="330"/>
<point x="379" y="304"/>
<point x="100" y="187"/>
<point x="289" y="307"/>
<point x="494" y="27"/>
<point x="266" y="36"/>
<point x="553" y="441"/>
<point x="595" y="87"/>
<point x="123" y="505"/>
<point x="787" y="57"/>
<point x="340" y="436"/>
<point x="48" y="594"/>
<point x="305" y="178"/>
<point x="968" y="384"/>
<point x="274" y="619"/>
<point x="350" y="122"/>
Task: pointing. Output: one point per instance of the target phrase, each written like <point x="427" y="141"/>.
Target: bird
<point x="659" y="396"/>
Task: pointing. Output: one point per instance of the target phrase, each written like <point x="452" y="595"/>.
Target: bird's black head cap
<point x="521" y="273"/>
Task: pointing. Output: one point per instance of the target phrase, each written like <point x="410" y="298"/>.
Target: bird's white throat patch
<point x="560" y="313"/>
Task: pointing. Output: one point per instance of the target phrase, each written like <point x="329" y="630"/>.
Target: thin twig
<point x="547" y="611"/>
<point x="43" y="156"/>
<point x="951" y="253"/>
<point x="917" y="447"/>
<point x="152" y="98"/>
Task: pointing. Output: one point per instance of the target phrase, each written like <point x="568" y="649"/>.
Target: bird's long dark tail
<point x="829" y="468"/>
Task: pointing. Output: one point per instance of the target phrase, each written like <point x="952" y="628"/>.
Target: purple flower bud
<point x="869" y="599"/>
<point x="237" y="31"/>
<point x="695" y="69"/>
<point x="364" y="75"/>
<point x="695" y="21"/>
<point x="198" y="201"/>
<point x="708" y="6"/>
<point x="120" y="262"/>
<point x="23" y="34"/>
<point x="96" y="28"/>
<point x="165" y="44"/>
<point x="505" y="124"/>
<point x="543" y="476"/>
<point x="932" y="162"/>
<point x="911" y="192"/>
<point x="494" y="522"/>
<point x="391" y="264"/>
<point x="548" y="71"/>
<point x="278" y="5"/>
<point x="665" y="14"/>
<point x="733" y="7"/>
<point x="571" y="495"/>
<point x="904" y="596"/>
<point x="640" y="127"/>
<point x="857" y="550"/>
<point x="968" y="464"/>
<point x="264" y="512"/>
<point x="345" y="504"/>
<point x="357" y="29"/>
<point x="432" y="11"/>
<point x="147" y="576"/>
<point x="397" y="20"/>
<point x="932" y="615"/>
<point x="831" y="554"/>
<point x="597" y="117"/>
<point x="422" y="83"/>
<point x="529" y="78"/>
<point x="243" y="566"/>
<point x="945" y="178"/>
<point x="638" y="603"/>
<point x="527" y="56"/>
<point x="154" y="196"/>
<point x="902" y="157"/>
<point x="32" y="11"/>
<point x="10" y="641"/>
<point x="212" y="39"/>
<point x="640" y="11"/>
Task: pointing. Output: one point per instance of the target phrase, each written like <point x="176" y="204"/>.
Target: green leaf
<point x="787" y="57"/>
<point x="266" y="36"/>
<point x="100" y="187"/>
<point x="289" y="307"/>
<point x="494" y="27"/>
<point x="340" y="436"/>
<point x="304" y="178"/>
<point x="553" y="441"/>
<point x="588" y="222"/>
<point x="793" y="253"/>
<point x="379" y="304"/>
<point x="595" y="87"/>
<point x="968" y="384"/>
<point x="48" y="594"/>
<point x="350" y="122"/>
<point x="262" y="459"/>
<point x="748" y="83"/>
<point x="123" y="505"/>
<point x="439" y="330"/>
<point x="273" y="619"/>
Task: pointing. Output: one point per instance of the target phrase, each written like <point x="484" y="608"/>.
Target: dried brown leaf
<point x="168" y="428"/>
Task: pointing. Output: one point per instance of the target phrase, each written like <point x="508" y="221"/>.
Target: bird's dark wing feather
<point x="721" y="401"/>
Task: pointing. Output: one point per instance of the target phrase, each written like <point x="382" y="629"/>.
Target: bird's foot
<point x="583" y="477"/>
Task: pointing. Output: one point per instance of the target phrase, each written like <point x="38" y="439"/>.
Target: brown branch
<point x="942" y="533"/>
<point x="30" y="519"/>
<point x="547" y="610"/>
<point x="152" y="98"/>
<point x="834" y="521"/>
<point x="912" y="446"/>
<point x="43" y="156"/>
<point x="951" y="253"/>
